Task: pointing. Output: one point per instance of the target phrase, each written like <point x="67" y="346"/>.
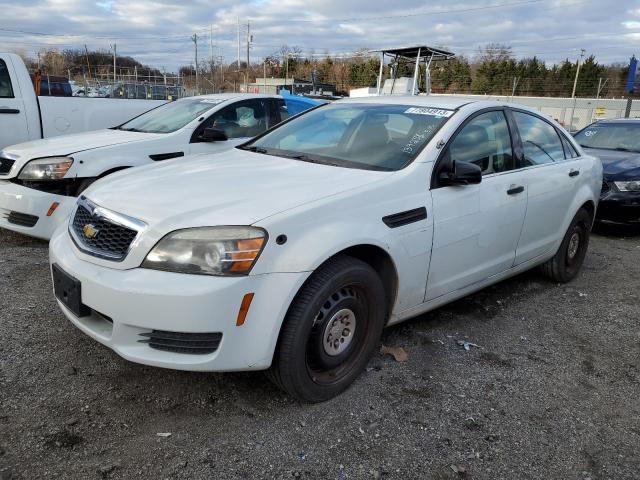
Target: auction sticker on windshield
<point x="434" y="112"/>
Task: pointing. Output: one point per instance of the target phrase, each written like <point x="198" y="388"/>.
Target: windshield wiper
<point x="131" y="129"/>
<point x="255" y="149"/>
<point x="303" y="157"/>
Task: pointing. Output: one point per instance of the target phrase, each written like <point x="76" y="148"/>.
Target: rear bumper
<point x="619" y="208"/>
<point x="20" y="207"/>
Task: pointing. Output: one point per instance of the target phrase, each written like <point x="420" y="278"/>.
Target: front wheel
<point x="567" y="261"/>
<point x="331" y="330"/>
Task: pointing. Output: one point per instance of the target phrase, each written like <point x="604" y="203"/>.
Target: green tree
<point x="451" y="76"/>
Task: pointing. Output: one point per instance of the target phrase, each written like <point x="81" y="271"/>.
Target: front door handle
<point x="574" y="173"/>
<point x="515" y="189"/>
<point x="9" y="110"/>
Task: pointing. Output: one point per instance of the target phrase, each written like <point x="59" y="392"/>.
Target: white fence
<point x="574" y="114"/>
<point x="584" y="110"/>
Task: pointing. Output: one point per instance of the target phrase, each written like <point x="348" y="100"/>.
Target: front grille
<point x="5" y="165"/>
<point x="22" y="219"/>
<point x="179" y="342"/>
<point x="97" y="235"/>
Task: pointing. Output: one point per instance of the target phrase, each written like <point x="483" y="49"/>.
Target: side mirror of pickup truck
<point x="462" y="173"/>
<point x="213" y="135"/>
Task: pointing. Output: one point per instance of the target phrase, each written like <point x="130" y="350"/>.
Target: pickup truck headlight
<point x="52" y="168"/>
<point x="208" y="251"/>
<point x="630" y="186"/>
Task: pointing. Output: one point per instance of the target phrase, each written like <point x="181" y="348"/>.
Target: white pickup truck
<point x="25" y="116"/>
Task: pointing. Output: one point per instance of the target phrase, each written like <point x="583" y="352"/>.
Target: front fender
<point x="318" y="231"/>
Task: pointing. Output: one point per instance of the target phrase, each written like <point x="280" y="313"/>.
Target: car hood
<point x="236" y="187"/>
<point x="70" y="144"/>
<point x="618" y="165"/>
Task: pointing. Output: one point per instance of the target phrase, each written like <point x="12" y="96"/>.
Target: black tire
<point x="567" y="261"/>
<point x="344" y="301"/>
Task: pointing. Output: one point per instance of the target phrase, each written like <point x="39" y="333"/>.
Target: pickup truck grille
<point x="102" y="233"/>
<point x="5" y="165"/>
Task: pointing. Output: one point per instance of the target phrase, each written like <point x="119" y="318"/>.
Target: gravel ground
<point x="552" y="391"/>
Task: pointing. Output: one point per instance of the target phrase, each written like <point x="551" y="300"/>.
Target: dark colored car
<point x="617" y="144"/>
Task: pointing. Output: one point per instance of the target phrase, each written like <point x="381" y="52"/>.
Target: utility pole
<point x="286" y="71"/>
<point x="575" y="84"/>
<point x="114" y="62"/>
<point x="516" y="80"/>
<point x="86" y="52"/>
<point x="211" y="56"/>
<point x="194" y="38"/>
<point x="248" y="46"/>
<point x="601" y="86"/>
<point x="238" y="18"/>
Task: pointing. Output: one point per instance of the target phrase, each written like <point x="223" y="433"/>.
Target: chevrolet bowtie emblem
<point x="90" y="231"/>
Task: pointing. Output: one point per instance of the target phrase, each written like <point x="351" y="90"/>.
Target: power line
<point x="417" y="14"/>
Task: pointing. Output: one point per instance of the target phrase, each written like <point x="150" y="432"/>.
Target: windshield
<point x="611" y="136"/>
<point x="366" y="136"/>
<point x="170" y="116"/>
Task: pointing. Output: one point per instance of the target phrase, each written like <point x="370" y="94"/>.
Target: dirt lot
<point x="552" y="392"/>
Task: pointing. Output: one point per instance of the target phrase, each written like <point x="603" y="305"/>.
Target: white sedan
<point x="293" y="251"/>
<point x="40" y="180"/>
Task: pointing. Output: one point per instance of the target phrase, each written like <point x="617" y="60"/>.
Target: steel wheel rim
<point x="326" y="369"/>
<point x="339" y="332"/>
<point x="574" y="246"/>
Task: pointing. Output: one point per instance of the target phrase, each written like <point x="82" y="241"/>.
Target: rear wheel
<point x="567" y="261"/>
<point x="331" y="330"/>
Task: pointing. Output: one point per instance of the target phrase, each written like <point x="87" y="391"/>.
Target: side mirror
<point x="213" y="135"/>
<point x="463" y="173"/>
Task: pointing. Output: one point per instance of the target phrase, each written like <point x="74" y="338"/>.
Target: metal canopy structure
<point x="419" y="54"/>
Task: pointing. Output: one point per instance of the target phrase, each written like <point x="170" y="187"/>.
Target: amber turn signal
<point x="52" y="208"/>
<point x="246" y="253"/>
<point x="244" y="309"/>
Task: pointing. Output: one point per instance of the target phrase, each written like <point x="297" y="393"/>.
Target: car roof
<point x="436" y="101"/>
<point x="230" y="96"/>
<point x="418" y="100"/>
<point x="620" y="120"/>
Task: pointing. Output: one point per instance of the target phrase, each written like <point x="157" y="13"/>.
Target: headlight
<point x="630" y="186"/>
<point x="52" y="168"/>
<point x="208" y="251"/>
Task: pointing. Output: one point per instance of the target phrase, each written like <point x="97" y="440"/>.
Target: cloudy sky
<point x="158" y="32"/>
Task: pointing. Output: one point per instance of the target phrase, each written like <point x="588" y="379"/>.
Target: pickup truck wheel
<point x="331" y="330"/>
<point x="566" y="263"/>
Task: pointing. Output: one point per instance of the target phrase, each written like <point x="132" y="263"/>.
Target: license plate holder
<point x="69" y="291"/>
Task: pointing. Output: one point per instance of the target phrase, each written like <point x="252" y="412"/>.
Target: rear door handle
<point x="574" y="173"/>
<point x="9" y="110"/>
<point x="514" y="190"/>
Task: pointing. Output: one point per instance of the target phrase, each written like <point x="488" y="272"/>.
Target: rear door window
<point x="540" y="140"/>
<point x="243" y="119"/>
<point x="6" y="90"/>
